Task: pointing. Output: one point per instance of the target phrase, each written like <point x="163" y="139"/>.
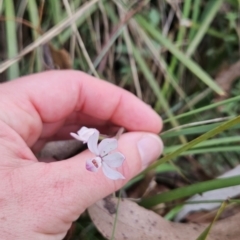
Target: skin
<point x="40" y="200"/>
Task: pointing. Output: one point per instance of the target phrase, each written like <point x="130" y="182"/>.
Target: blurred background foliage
<point x="180" y="57"/>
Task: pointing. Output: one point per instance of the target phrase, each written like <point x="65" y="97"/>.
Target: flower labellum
<point x="104" y="158"/>
<point x="84" y="134"/>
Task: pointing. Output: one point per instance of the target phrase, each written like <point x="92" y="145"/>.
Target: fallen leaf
<point x="226" y="78"/>
<point x="204" y="216"/>
<point x="135" y="223"/>
<point x="60" y="150"/>
<point x="56" y="58"/>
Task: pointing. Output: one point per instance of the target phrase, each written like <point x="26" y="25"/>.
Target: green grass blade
<point x="56" y="11"/>
<point x="116" y="217"/>
<point x="208" y="143"/>
<point x="113" y="37"/>
<point x="154" y="86"/>
<point x="188" y="191"/>
<point x="196" y="141"/>
<point x="208" y="107"/>
<point x="212" y="8"/>
<point x="160" y="169"/>
<point x="195" y="15"/>
<point x="1" y="6"/>
<point x="191" y="65"/>
<point x="173" y="212"/>
<point x="34" y="18"/>
<point x="11" y="36"/>
<point x="210" y="150"/>
<point x="205" y="233"/>
<point x="194" y="130"/>
<point x="80" y="41"/>
<point x="170" y="78"/>
<point x="181" y="33"/>
<point x="65" y="35"/>
<point x="106" y="48"/>
<point x="54" y="31"/>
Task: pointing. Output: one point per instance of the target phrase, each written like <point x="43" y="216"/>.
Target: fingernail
<point x="150" y="147"/>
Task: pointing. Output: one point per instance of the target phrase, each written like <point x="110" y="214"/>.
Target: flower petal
<point x="107" y="145"/>
<point x="92" y="143"/>
<point x="110" y="173"/>
<point x="75" y="136"/>
<point x="82" y="130"/>
<point x="93" y="164"/>
<point x="114" y="159"/>
<point x="84" y="133"/>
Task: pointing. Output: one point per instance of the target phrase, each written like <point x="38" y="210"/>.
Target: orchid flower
<point x="84" y="134"/>
<point x="104" y="158"/>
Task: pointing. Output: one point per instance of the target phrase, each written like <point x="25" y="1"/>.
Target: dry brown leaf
<point x="226" y="78"/>
<point x="56" y="58"/>
<point x="61" y="58"/>
<point x="206" y="217"/>
<point x="136" y="223"/>
<point x="60" y="150"/>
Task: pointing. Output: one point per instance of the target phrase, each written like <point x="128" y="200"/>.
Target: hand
<point x="40" y="200"/>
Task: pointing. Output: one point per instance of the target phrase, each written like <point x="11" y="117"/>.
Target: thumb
<point x="82" y="188"/>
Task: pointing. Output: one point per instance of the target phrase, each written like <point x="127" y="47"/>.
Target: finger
<point x="79" y="188"/>
<point x="51" y="97"/>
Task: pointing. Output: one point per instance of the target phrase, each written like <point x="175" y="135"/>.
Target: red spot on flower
<point x="95" y="163"/>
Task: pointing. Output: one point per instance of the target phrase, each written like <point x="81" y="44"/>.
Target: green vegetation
<point x="169" y="54"/>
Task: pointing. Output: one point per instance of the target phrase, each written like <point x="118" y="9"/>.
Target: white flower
<point x="84" y="134"/>
<point x="103" y="158"/>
